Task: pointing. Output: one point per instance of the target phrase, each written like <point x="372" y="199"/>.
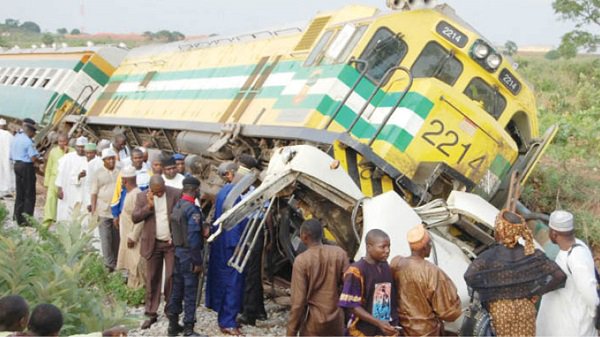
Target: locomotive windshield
<point x="384" y="51"/>
<point x="435" y="61"/>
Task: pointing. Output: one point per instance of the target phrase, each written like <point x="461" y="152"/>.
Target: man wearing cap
<point x="187" y="238"/>
<point x="570" y="311"/>
<point x="129" y="251"/>
<point x="153" y="207"/>
<point x="24" y="156"/>
<point x="180" y="164"/>
<point x="57" y="152"/>
<point x="426" y="295"/>
<point x="7" y="184"/>
<point x="103" y="186"/>
<point x="142" y="179"/>
<point x="170" y="174"/>
<point x="70" y="181"/>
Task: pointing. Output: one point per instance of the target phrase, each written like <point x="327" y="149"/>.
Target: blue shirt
<point x="22" y="148"/>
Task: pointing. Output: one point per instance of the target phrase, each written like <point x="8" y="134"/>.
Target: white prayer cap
<point x="128" y="172"/>
<point x="81" y="141"/>
<point x="103" y="144"/>
<point x="561" y="221"/>
<point x="143" y="149"/>
<point x="2" y="121"/>
<point x="106" y="153"/>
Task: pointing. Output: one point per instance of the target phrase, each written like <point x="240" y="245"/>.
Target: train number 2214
<point x="443" y="141"/>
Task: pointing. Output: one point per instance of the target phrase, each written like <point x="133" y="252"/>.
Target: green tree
<point x="148" y="35"/>
<point x="177" y="36"/>
<point x="4" y="43"/>
<point x="47" y="39"/>
<point x="510" y="48"/>
<point x="552" y="55"/>
<point x="75" y="31"/>
<point x="62" y="31"/>
<point x="585" y="14"/>
<point x="30" y="26"/>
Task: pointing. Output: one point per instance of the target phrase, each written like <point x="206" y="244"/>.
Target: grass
<point x="568" y="177"/>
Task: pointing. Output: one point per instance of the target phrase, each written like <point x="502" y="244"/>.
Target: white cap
<point x="128" y="172"/>
<point x="561" y="221"/>
<point x="143" y="149"/>
<point x="81" y="141"/>
<point x="2" y="121"/>
<point x="106" y="153"/>
<point x="103" y="144"/>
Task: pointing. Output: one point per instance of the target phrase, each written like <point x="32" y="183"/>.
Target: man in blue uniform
<point x="24" y="155"/>
<point x="186" y="222"/>
<point x="224" y="285"/>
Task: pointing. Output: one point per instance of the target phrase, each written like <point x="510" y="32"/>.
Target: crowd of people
<point x="151" y="225"/>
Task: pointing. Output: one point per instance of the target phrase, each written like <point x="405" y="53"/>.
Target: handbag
<point x="476" y="321"/>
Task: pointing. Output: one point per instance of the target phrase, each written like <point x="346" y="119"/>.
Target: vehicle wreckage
<point x="303" y="182"/>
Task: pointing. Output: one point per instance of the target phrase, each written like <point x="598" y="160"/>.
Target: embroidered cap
<point x="90" y="147"/>
<point x="106" y="153"/>
<point x="128" y="172"/>
<point x="417" y="237"/>
<point x="561" y="221"/>
<point x="81" y="141"/>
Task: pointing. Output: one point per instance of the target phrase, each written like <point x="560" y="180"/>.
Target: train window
<point x="435" y="61"/>
<point x="479" y="91"/>
<point x="384" y="51"/>
<point x="318" y="49"/>
<point x="6" y="76"/>
<point x="45" y="82"/>
<point x="358" y="33"/>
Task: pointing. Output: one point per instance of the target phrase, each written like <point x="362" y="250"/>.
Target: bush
<point x="568" y="94"/>
<point x="60" y="267"/>
<point x="552" y="55"/>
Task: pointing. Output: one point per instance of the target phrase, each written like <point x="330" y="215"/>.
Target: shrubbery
<point x="568" y="94"/>
<point x="61" y="267"/>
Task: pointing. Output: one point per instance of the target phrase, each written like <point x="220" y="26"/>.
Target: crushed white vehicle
<point x="305" y="181"/>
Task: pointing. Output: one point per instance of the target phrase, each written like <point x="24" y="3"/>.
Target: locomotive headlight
<point x="493" y="61"/>
<point x="481" y="50"/>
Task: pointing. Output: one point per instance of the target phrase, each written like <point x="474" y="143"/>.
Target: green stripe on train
<point x="95" y="73"/>
<point x="500" y="166"/>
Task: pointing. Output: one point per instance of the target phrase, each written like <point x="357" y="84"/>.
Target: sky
<point x="526" y="22"/>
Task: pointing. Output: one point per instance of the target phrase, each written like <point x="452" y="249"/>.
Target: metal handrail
<point x="343" y="102"/>
<point x="389" y="115"/>
<point x="383" y="80"/>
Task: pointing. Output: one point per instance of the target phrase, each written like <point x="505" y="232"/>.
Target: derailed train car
<point x="412" y="109"/>
<point x="45" y="84"/>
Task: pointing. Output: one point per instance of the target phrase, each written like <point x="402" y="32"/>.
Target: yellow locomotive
<point x="414" y="101"/>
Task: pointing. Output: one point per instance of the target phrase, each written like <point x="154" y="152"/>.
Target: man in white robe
<point x="7" y="183"/>
<point x="569" y="311"/>
<point x="70" y="181"/>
